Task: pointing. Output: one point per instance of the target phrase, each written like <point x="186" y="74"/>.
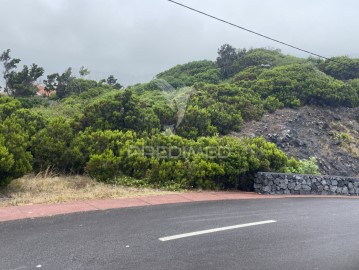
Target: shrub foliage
<point x="172" y="131"/>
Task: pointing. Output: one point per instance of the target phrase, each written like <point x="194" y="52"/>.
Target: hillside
<point x="330" y="134"/>
<point x="176" y="131"/>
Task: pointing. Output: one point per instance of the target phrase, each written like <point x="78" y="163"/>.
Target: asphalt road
<point x="308" y="234"/>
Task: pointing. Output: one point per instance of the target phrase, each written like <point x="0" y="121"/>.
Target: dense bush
<point x="209" y="162"/>
<point x="8" y="105"/>
<point x="191" y="73"/>
<point x="14" y="144"/>
<point x="103" y="167"/>
<point x="17" y="126"/>
<point x="121" y="111"/>
<point x="32" y="122"/>
<point x="231" y="60"/>
<point x="6" y="162"/>
<point x="168" y="160"/>
<point x="219" y="109"/>
<point x="271" y="104"/>
<point x="196" y="122"/>
<point x="341" y="68"/>
<point x="304" y="166"/>
<point x="34" y="101"/>
<point x="295" y="85"/>
<point x="51" y="147"/>
<point x="94" y="92"/>
<point x="96" y="129"/>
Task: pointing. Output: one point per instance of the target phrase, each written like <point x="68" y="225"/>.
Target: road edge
<point x="10" y="213"/>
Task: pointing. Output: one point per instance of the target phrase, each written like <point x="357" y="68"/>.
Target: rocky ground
<point x="330" y="134"/>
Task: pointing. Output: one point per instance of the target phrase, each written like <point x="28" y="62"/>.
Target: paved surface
<point x="309" y="233"/>
<point x="42" y="210"/>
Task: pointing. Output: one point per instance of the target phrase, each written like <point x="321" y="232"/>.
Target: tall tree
<point x="19" y="84"/>
<point x="66" y="84"/>
<point x="62" y="82"/>
<point x="51" y="82"/>
<point x="227" y="56"/>
<point x="59" y="83"/>
<point x="22" y="83"/>
<point x="112" y="81"/>
<point x="9" y="66"/>
<point x="84" y="71"/>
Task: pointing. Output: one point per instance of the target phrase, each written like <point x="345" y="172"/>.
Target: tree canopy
<point x="19" y="83"/>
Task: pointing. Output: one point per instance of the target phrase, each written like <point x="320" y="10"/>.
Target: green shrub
<point x="304" y="166"/>
<point x="176" y="162"/>
<point x="341" y="68"/>
<point x="32" y="122"/>
<point x="345" y="137"/>
<point x="196" y="123"/>
<point x="191" y="73"/>
<point x="167" y="160"/>
<point x="8" y="105"/>
<point x="95" y="92"/>
<point x="104" y="166"/>
<point x="295" y="85"/>
<point x="6" y="163"/>
<point x="91" y="142"/>
<point x="51" y="147"/>
<point x="271" y="104"/>
<point x="31" y="102"/>
<point x="121" y="111"/>
<point x="14" y="142"/>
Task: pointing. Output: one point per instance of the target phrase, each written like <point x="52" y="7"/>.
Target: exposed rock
<point x="308" y="184"/>
<point x="314" y="131"/>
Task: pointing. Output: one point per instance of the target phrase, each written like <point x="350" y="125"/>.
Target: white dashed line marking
<point x="184" y="235"/>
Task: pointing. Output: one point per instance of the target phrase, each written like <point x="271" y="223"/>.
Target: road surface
<point x="298" y="233"/>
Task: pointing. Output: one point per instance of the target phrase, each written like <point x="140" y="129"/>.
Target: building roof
<point x="42" y="92"/>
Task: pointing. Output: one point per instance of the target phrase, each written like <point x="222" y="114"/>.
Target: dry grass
<point x="55" y="189"/>
<point x="353" y="149"/>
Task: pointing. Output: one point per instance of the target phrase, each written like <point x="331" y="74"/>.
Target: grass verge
<point x="33" y="189"/>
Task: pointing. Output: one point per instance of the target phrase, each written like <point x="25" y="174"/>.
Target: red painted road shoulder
<point x="45" y="210"/>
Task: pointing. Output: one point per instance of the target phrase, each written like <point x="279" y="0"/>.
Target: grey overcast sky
<point x="136" y="39"/>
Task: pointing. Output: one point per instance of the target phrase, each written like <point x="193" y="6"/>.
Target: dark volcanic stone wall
<point x="280" y="183"/>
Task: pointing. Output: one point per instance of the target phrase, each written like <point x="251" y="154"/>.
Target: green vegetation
<point x="341" y="68"/>
<point x="19" y="83"/>
<point x="171" y="132"/>
<point x="191" y="73"/>
<point x="308" y="166"/>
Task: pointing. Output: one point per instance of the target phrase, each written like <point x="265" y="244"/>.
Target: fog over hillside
<point x="134" y="40"/>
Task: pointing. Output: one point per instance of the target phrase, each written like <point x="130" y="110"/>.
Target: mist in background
<point x="134" y="40"/>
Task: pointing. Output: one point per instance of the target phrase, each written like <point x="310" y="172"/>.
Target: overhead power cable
<point x="255" y="33"/>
